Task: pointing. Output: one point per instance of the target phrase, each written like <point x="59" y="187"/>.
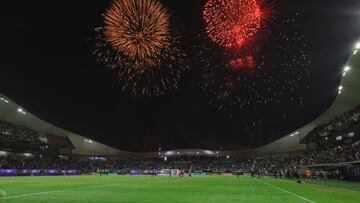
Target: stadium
<point x="151" y="101"/>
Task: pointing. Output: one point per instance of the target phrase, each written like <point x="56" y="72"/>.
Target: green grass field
<point x="142" y="189"/>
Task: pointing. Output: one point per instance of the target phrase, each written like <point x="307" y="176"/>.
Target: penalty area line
<point x="283" y="190"/>
<point x="55" y="191"/>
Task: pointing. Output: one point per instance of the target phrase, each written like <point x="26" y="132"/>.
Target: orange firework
<point x="139" y="41"/>
<point x="231" y="23"/>
<point x="138" y="29"/>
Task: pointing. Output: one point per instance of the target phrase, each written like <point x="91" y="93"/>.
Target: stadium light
<point x="295" y="133"/>
<point x="4" y="100"/>
<point x="27" y="154"/>
<point x="357" y="46"/>
<point x="340" y="89"/>
<point x="88" y="140"/>
<point x="346" y="69"/>
<point x="339" y="138"/>
<point x="227" y="156"/>
<point x="20" y="110"/>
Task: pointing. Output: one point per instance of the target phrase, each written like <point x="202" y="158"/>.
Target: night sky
<point x="47" y="67"/>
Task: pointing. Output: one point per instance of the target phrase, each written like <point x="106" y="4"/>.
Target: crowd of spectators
<point x="341" y="125"/>
<point x="339" y="154"/>
<point x="345" y="157"/>
<point x="279" y="165"/>
<point x="344" y="121"/>
<point x="15" y="133"/>
<point x="284" y="164"/>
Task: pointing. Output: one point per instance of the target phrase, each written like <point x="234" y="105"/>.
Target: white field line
<point x="288" y="192"/>
<point x="55" y="191"/>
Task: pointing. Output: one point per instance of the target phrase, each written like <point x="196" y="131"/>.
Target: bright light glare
<point x="3" y="153"/>
<point x="21" y="111"/>
<point x="4" y="100"/>
<point x="88" y="140"/>
<point x="357" y="46"/>
<point x="295" y="133"/>
<point x="27" y="154"/>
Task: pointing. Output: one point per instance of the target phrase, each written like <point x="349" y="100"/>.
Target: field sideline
<point x="143" y="189"/>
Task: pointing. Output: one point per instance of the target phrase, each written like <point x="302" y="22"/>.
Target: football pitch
<point x="163" y="189"/>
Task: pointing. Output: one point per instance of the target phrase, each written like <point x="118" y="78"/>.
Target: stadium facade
<point x="348" y="98"/>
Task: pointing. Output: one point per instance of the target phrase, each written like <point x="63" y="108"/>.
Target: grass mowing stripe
<point x="55" y="191"/>
<point x="288" y="192"/>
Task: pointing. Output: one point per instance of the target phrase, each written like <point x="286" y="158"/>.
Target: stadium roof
<point x="11" y="112"/>
<point x="348" y="98"/>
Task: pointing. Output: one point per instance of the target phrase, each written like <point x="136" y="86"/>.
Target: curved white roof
<point x="347" y="99"/>
<point x="13" y="113"/>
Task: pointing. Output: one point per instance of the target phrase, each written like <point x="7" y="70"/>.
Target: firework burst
<point x="266" y="72"/>
<point x="137" y="40"/>
<point x="137" y="28"/>
<point x="231" y="23"/>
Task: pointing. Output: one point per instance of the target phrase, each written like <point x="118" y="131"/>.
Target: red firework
<point x="243" y="63"/>
<point x="232" y="23"/>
